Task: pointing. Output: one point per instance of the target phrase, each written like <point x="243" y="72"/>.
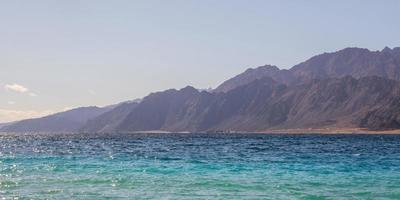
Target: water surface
<point x="199" y="166"/>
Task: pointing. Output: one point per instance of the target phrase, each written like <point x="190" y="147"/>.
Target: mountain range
<point x="4" y="124"/>
<point x="68" y="121"/>
<point x="350" y="88"/>
<point x="355" y="62"/>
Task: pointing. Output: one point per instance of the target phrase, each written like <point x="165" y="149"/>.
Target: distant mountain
<point x="108" y="121"/>
<point x="384" y="116"/>
<point x="343" y="102"/>
<point x="68" y="121"/>
<point x="350" y="88"/>
<point x="282" y="76"/>
<point x="4" y="124"/>
<point x="266" y="104"/>
<point x="355" y="62"/>
<point x="164" y="111"/>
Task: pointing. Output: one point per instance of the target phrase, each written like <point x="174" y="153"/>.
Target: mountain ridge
<point x="357" y="62"/>
<point x="350" y="88"/>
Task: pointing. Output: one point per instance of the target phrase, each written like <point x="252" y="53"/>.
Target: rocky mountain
<point x="282" y="76"/>
<point x="165" y="111"/>
<point x="338" y="102"/>
<point x="350" y="88"/>
<point x="108" y="121"/>
<point x="266" y="104"/>
<point x="4" y="124"/>
<point x="355" y="62"/>
<point x="384" y="116"/>
<point x="68" y="121"/>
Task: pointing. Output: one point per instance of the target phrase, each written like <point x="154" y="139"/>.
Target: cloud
<point x="11" y="102"/>
<point x="15" y="115"/>
<point x="32" y="94"/>
<point x="16" y="88"/>
<point x="20" y="89"/>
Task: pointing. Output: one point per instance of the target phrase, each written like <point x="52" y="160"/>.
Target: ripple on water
<point x="199" y="166"/>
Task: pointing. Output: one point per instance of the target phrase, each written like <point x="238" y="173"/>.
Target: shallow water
<point x="199" y="166"/>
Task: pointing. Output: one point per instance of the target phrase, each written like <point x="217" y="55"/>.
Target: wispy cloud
<point x="19" y="89"/>
<point x="32" y="94"/>
<point x="15" y="115"/>
<point x="16" y="88"/>
<point x="11" y="102"/>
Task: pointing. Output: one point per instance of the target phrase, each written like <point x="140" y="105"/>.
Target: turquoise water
<point x="200" y="166"/>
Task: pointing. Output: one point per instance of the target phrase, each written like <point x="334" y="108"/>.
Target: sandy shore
<point x="330" y="131"/>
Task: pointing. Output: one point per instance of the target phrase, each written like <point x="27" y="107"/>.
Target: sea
<point x="199" y="166"/>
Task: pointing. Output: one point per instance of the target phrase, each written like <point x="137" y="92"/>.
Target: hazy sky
<point x="56" y="55"/>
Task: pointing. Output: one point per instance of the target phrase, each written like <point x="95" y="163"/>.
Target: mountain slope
<point x="266" y="104"/>
<point x="68" y="121"/>
<point x="108" y="121"/>
<point x="350" y="88"/>
<point x="168" y="110"/>
<point x="336" y="102"/>
<point x="190" y="110"/>
<point x="385" y="116"/>
<point x="4" y="124"/>
<point x="355" y="62"/>
<point x="282" y="76"/>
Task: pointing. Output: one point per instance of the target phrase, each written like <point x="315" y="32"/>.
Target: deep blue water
<point x="199" y="166"/>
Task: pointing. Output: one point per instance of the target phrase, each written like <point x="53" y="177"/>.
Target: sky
<point x="57" y="55"/>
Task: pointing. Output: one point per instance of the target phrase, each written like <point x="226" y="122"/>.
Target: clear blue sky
<point x="61" y="54"/>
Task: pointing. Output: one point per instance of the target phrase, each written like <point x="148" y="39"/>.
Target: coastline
<point x="331" y="131"/>
<point x="299" y="131"/>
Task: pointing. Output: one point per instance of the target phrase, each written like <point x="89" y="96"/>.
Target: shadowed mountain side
<point x="68" y="121"/>
<point x="108" y="121"/>
<point x="190" y="110"/>
<point x="168" y="110"/>
<point x="265" y="104"/>
<point x="384" y="117"/>
<point x="336" y="102"/>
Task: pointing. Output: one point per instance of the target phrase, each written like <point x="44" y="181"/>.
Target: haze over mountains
<point x="350" y="88"/>
<point x="68" y="121"/>
<point x="4" y="124"/>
